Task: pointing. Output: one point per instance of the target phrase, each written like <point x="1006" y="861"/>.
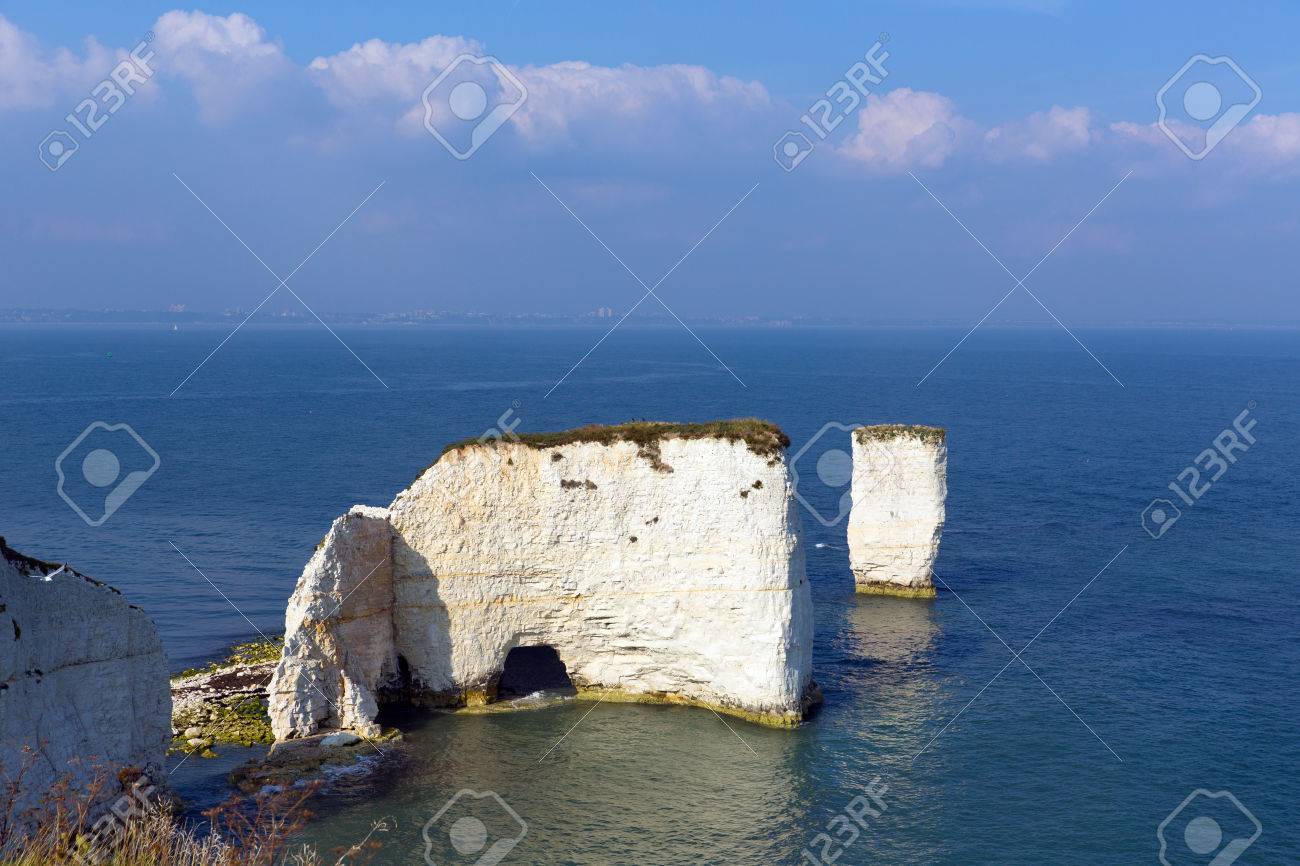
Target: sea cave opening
<point x="530" y="669"/>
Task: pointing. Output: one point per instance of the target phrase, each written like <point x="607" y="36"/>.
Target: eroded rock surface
<point x="83" y="679"/>
<point x="659" y="569"/>
<point x="900" y="482"/>
<point x="340" y="647"/>
<point x="226" y="701"/>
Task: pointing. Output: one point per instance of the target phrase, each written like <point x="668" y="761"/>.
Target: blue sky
<point x="650" y="122"/>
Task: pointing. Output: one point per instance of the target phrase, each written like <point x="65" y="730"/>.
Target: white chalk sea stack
<point x="83" y="679"/>
<point x="900" y="481"/>
<point x="662" y="563"/>
<point x="339" y="648"/>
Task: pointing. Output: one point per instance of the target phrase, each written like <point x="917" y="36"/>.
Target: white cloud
<point x="1043" y="135"/>
<point x="1144" y="133"/>
<point x="378" y="70"/>
<point x="232" y="68"/>
<point x="906" y="129"/>
<point x="570" y="102"/>
<point x="1268" y="141"/>
<point x="31" y="77"/>
<point x="228" y="61"/>
<point x="574" y="101"/>
<point x="1265" y="145"/>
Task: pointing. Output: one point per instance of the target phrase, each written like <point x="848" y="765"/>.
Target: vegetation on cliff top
<point x="878" y="432"/>
<point x="763" y="437"/>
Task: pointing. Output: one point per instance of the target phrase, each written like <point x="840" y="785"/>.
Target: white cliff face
<point x="82" y="676"/>
<point x="339" y="645"/>
<point x="900" y="481"/>
<point x="673" y="574"/>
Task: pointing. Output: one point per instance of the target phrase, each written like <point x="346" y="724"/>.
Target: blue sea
<point x="1160" y="668"/>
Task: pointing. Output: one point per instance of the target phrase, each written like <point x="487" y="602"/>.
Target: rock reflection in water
<point x="628" y="784"/>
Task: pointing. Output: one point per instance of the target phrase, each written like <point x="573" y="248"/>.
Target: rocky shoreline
<point x="225" y="702"/>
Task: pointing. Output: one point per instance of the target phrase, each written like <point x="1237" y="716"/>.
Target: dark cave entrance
<point x="531" y="669"/>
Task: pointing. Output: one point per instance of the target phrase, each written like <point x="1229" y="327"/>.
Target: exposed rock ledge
<point x="224" y="702"/>
<point x="900" y="481"/>
<point x="661" y="562"/>
<point x="83" y="680"/>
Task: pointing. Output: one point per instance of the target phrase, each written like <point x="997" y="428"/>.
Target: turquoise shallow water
<point x="1173" y="671"/>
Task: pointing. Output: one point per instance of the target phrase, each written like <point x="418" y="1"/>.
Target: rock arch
<point x="662" y="563"/>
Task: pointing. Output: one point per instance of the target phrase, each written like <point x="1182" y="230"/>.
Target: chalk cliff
<point x="661" y="562"/>
<point x="83" y="679"/>
<point x="900" y="481"/>
<point x="339" y="647"/>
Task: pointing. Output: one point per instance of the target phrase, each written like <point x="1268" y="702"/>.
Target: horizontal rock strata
<point x="661" y="562"/>
<point x="900" y="482"/>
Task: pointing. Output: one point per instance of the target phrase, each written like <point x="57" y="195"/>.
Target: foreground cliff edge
<point x="83" y="682"/>
<point x="900" y="482"/>
<point x="660" y="562"/>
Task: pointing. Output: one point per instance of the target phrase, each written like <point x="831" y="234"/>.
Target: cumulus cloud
<point x="1043" y="135"/>
<point x="233" y="68"/>
<point x="906" y="129"/>
<point x="1268" y="141"/>
<point x="1144" y="133"/>
<point x="571" y="101"/>
<point x="1264" y="145"/>
<point x="378" y="70"/>
<point x="228" y="61"/>
<point x="32" y="77"/>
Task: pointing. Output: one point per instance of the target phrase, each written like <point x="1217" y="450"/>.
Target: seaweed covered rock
<point x="225" y="702"/>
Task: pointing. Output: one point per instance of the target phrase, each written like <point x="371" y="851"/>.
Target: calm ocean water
<point x="1173" y="671"/>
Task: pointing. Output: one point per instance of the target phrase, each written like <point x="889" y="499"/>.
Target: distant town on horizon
<point x="180" y="314"/>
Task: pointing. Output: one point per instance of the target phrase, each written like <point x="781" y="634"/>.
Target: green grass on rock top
<point x="763" y="437"/>
<point x="879" y="432"/>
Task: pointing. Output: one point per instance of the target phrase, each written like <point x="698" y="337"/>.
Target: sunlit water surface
<point x="1173" y="671"/>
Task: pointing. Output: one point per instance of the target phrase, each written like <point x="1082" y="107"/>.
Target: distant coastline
<point x="604" y="318"/>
